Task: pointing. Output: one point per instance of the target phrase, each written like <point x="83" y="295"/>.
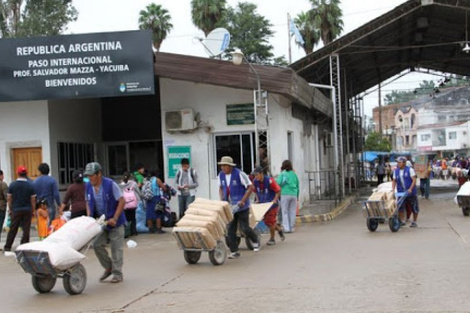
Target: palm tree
<point x="157" y="20"/>
<point x="208" y="14"/>
<point x="307" y="29"/>
<point x="326" y="15"/>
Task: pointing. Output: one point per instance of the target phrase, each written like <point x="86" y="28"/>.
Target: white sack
<point x="464" y="190"/>
<point x="61" y="256"/>
<point x="76" y="233"/>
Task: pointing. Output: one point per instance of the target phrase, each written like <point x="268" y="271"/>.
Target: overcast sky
<point x="119" y="15"/>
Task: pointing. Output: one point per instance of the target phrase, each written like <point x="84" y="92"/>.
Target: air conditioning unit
<point x="179" y="120"/>
<point x="329" y="139"/>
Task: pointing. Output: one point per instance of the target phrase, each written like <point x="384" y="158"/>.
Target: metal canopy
<point x="427" y="34"/>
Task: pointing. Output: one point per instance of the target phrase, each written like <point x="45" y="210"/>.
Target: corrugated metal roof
<point x="426" y="34"/>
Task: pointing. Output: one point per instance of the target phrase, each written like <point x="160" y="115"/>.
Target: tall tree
<point x="157" y="19"/>
<point x="250" y="32"/>
<point x="310" y="33"/>
<point x="374" y="142"/>
<point x="208" y="14"/>
<point x="327" y="17"/>
<point x="24" y="18"/>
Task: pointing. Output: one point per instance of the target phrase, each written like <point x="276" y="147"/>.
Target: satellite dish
<point x="216" y="41"/>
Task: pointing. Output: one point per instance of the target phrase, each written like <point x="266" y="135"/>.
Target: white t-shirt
<point x="244" y="179"/>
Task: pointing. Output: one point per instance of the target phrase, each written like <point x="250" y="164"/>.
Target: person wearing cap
<point x="46" y="187"/>
<point x="104" y="197"/>
<point x="3" y="200"/>
<point x="267" y="190"/>
<point x="75" y="196"/>
<point x="22" y="202"/>
<point x="404" y="179"/>
<point x="235" y="187"/>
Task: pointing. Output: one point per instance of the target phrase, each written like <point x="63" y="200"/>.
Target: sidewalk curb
<point x="310" y="218"/>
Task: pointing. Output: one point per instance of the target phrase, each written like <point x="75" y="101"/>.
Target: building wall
<point x="210" y="103"/>
<point x="74" y="121"/>
<point x="22" y="125"/>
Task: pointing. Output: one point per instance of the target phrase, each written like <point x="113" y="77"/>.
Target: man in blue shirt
<point x="46" y="187"/>
<point x="22" y="203"/>
<point x="104" y="196"/>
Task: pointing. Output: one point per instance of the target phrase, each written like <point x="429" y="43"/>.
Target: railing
<point x="322" y="185"/>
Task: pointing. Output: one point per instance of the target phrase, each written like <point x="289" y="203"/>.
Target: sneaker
<point x="414" y="224"/>
<point x="271" y="242"/>
<point x="256" y="247"/>
<point x="105" y="275"/>
<point x="160" y="231"/>
<point x="234" y="255"/>
<point x="402" y="224"/>
<point x="281" y="234"/>
<point x="116" y="279"/>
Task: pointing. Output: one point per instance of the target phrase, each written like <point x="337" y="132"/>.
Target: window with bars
<point x="73" y="156"/>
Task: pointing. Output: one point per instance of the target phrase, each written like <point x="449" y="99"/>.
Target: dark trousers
<point x="380" y="178"/>
<point x="2" y="220"/>
<point x="183" y="202"/>
<point x="22" y="218"/>
<point x="130" y="217"/>
<point x="242" y="218"/>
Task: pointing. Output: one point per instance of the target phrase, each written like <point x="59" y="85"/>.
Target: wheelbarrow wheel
<point x="74" y="279"/>
<point x="372" y="224"/>
<point x="465" y="211"/>
<point x="249" y="243"/>
<point x="192" y="257"/>
<point x="219" y="254"/>
<point x="394" y="223"/>
<point x="43" y="283"/>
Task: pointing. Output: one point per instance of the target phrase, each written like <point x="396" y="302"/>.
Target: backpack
<point x="130" y="198"/>
<point x="147" y="193"/>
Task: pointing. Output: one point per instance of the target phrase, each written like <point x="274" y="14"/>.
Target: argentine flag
<point x="295" y="31"/>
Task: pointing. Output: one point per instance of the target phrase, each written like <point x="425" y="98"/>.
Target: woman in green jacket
<point x="289" y="183"/>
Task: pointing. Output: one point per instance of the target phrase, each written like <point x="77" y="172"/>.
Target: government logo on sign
<point x="122" y="87"/>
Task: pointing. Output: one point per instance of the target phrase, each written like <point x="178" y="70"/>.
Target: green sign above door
<point x="240" y="114"/>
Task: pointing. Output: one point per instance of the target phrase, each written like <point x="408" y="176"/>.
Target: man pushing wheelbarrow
<point x="404" y="179"/>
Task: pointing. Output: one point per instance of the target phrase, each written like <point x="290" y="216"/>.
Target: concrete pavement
<point x="338" y="266"/>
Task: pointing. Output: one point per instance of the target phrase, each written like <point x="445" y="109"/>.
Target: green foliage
<point x="20" y="18"/>
<point x="250" y="33"/>
<point x="157" y="19"/>
<point x="207" y="15"/>
<point x="327" y="18"/>
<point x="280" y="61"/>
<point x="310" y="33"/>
<point x="376" y="143"/>
<point x="426" y="87"/>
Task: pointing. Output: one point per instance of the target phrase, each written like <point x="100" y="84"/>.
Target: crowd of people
<point x="93" y="194"/>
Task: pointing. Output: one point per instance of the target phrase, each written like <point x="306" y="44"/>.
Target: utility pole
<point x="380" y="110"/>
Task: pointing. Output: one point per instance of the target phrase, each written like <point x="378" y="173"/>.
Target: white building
<point x="120" y="132"/>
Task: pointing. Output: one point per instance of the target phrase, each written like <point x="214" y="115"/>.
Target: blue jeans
<point x="289" y="210"/>
<point x="183" y="202"/>
<point x="424" y="184"/>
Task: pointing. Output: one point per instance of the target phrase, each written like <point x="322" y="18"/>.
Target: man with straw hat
<point x="235" y="187"/>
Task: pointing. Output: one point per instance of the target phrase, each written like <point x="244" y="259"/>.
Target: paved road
<point x="337" y="266"/>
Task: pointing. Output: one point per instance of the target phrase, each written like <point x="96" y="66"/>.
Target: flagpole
<point x="288" y="37"/>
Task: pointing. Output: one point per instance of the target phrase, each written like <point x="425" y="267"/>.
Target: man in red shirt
<point x="267" y="190"/>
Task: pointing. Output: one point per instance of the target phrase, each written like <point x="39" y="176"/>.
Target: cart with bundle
<point x="202" y="229"/>
<point x="463" y="198"/>
<point x="382" y="207"/>
<point x="59" y="256"/>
